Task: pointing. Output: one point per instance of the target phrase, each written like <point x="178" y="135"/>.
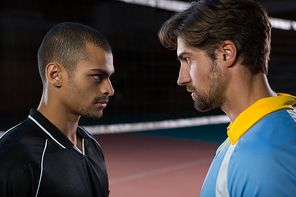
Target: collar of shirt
<point x="51" y="131"/>
<point x="257" y="111"/>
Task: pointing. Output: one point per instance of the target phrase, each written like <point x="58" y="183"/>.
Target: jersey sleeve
<point x="15" y="174"/>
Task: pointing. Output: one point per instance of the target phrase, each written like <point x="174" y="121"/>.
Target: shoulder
<point x="269" y="138"/>
<point x="13" y="139"/>
<point x="271" y="129"/>
<point x="265" y="156"/>
<point x="20" y="153"/>
<point x="20" y="142"/>
<point x="21" y="135"/>
<point x="20" y="146"/>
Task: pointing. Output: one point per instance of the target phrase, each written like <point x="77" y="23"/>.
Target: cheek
<point x="85" y="93"/>
<point x="81" y="94"/>
<point x="198" y="75"/>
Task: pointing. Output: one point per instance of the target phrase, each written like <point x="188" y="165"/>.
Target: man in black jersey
<point x="49" y="154"/>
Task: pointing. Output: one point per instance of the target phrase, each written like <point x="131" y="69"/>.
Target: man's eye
<point x="97" y="77"/>
<point x="187" y="60"/>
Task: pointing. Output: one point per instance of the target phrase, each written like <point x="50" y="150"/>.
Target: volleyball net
<point x="147" y="96"/>
<point x="155" y="125"/>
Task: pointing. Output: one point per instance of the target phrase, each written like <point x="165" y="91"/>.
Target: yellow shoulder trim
<point x="256" y="112"/>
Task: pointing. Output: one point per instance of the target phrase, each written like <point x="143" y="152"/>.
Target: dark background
<point x="146" y="73"/>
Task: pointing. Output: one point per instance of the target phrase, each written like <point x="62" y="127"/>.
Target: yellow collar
<point x="255" y="112"/>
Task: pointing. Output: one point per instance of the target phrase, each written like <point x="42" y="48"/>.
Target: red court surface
<point x="152" y="166"/>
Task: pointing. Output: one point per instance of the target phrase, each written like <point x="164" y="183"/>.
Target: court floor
<point x="141" y="165"/>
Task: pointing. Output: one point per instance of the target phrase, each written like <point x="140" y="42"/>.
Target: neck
<point x="66" y="122"/>
<point x="246" y="91"/>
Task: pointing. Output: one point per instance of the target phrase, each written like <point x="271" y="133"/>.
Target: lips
<point x="190" y="91"/>
<point x="101" y="103"/>
<point x="193" y="94"/>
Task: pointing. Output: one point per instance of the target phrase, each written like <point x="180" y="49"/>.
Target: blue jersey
<point x="259" y="156"/>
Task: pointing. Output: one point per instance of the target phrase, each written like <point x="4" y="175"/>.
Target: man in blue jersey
<point x="49" y="154"/>
<point x="223" y="47"/>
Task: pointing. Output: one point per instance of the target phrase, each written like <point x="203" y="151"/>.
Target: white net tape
<point x="165" y="124"/>
<point x="156" y="125"/>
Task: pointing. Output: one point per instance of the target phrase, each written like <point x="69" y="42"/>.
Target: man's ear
<point x="54" y="74"/>
<point x="229" y="52"/>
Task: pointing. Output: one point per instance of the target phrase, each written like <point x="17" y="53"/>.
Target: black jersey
<point x="37" y="159"/>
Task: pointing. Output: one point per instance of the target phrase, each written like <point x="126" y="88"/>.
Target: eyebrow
<point x="181" y="55"/>
<point x="103" y="71"/>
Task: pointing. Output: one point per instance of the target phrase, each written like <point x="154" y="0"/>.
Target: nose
<point x="184" y="76"/>
<point x="107" y="88"/>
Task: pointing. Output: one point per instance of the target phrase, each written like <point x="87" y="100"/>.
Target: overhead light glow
<point x="283" y="24"/>
<point x="171" y="5"/>
<point x="178" y="6"/>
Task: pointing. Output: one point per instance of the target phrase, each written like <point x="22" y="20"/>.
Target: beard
<point x="207" y="99"/>
<point x="88" y="113"/>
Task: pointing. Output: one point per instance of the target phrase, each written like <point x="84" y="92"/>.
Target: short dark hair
<point x="66" y="44"/>
<point x="207" y="23"/>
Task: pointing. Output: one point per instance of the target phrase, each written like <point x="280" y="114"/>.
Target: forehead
<point x="97" y="58"/>
<point x="183" y="47"/>
<point x="181" y="44"/>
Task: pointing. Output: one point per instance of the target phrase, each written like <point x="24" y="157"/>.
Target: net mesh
<point x="146" y="73"/>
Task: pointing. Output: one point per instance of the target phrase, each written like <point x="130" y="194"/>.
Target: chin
<point x="96" y="116"/>
<point x="93" y="116"/>
<point x="203" y="106"/>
